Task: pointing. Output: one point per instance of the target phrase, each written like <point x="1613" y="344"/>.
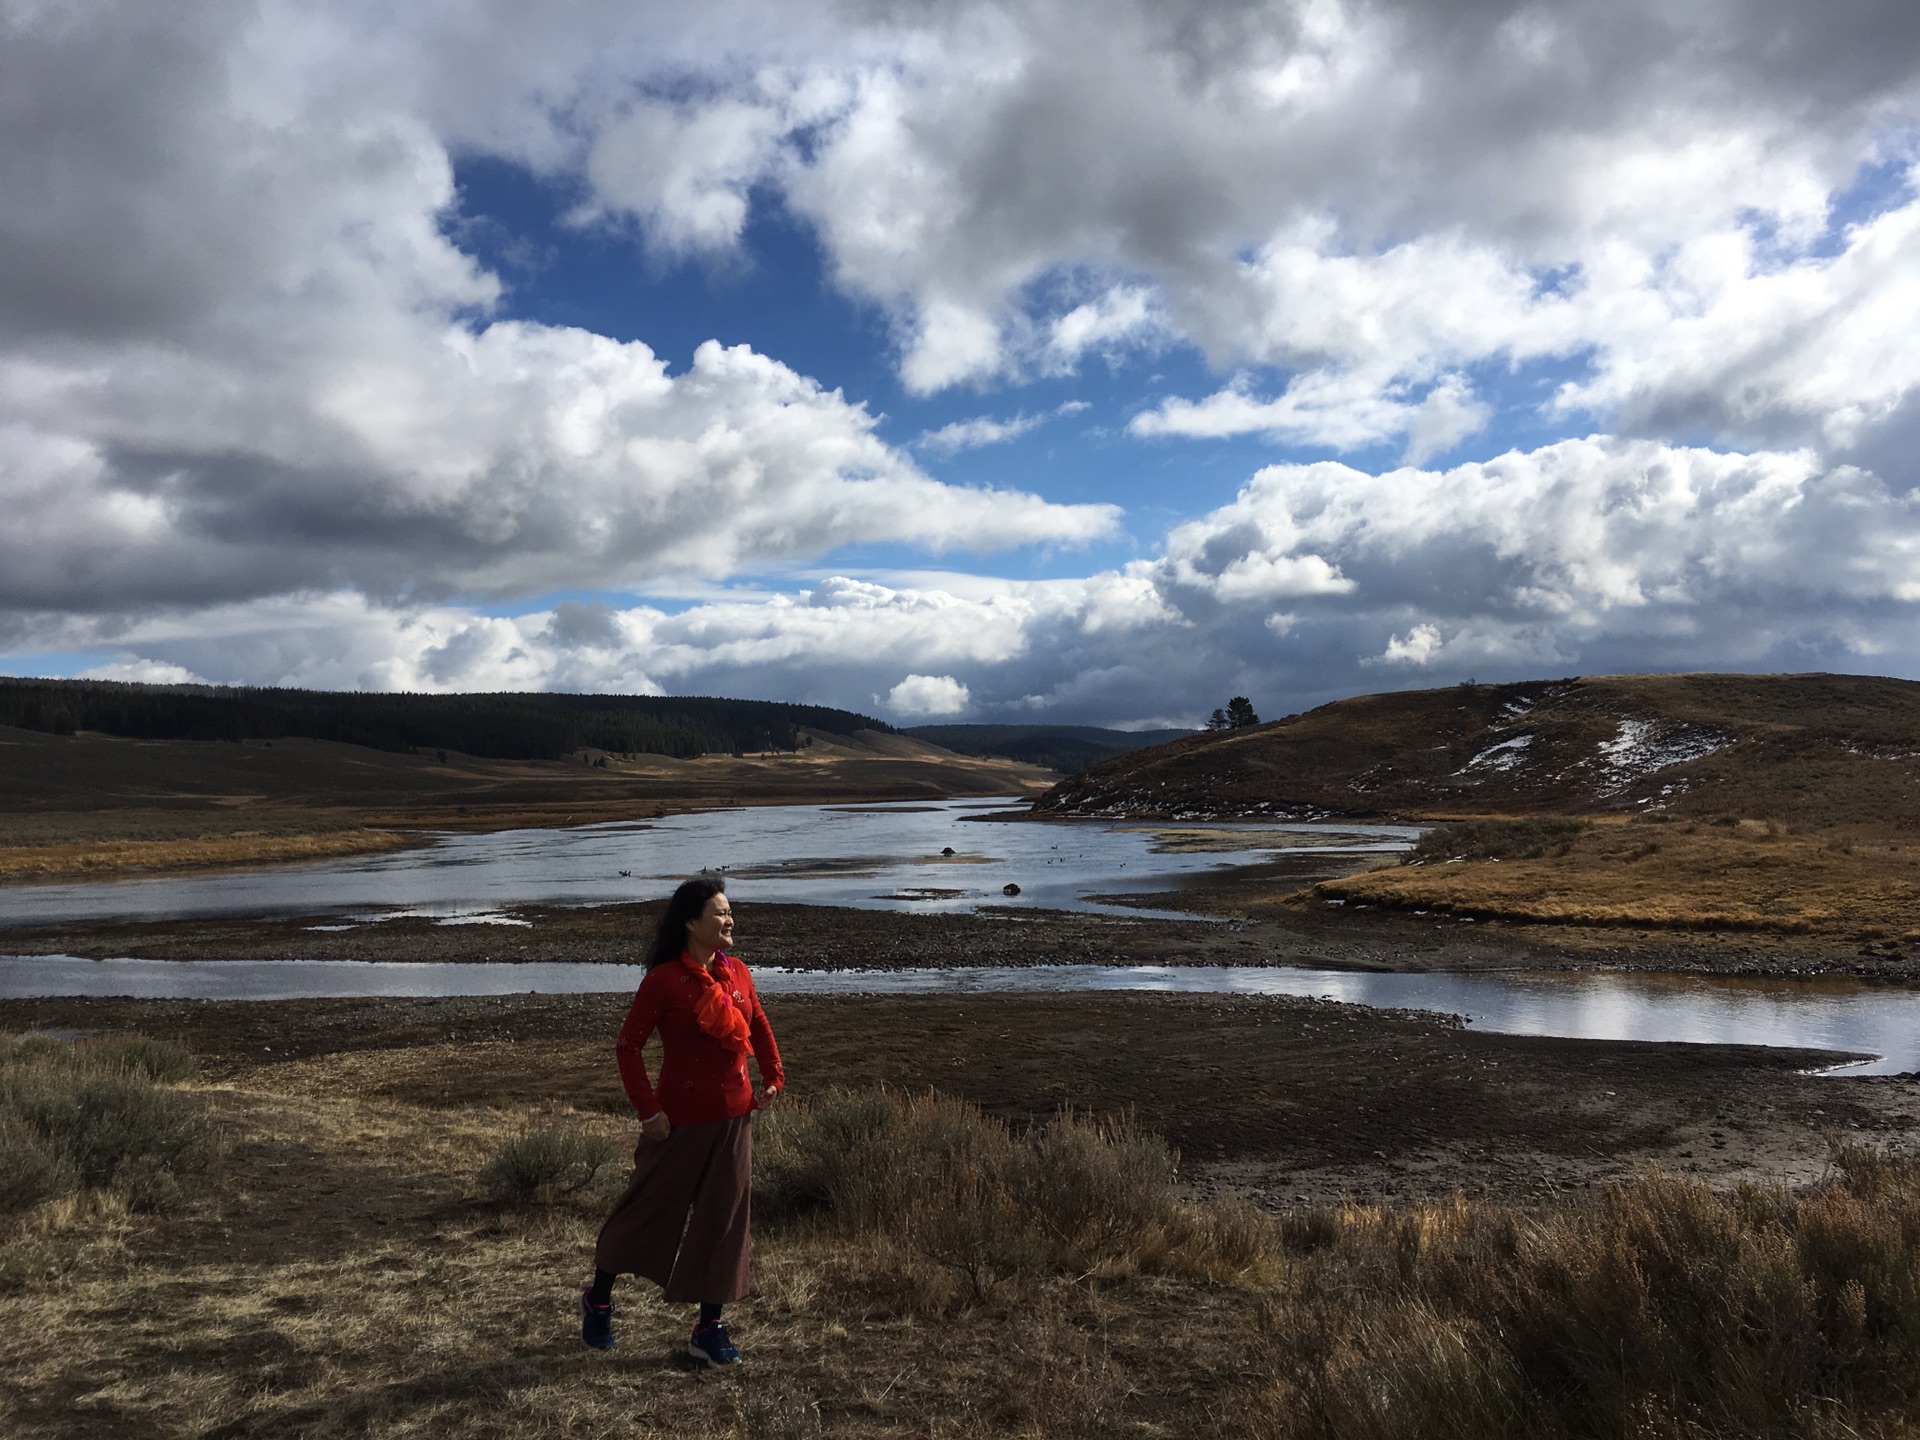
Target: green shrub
<point x="969" y="1192"/>
<point x="91" y="1116"/>
<point x="547" y="1164"/>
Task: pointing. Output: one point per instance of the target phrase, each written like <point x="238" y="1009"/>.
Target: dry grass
<point x="1173" y="841"/>
<point x="90" y="1134"/>
<point x="408" y="1306"/>
<point x="43" y="862"/>
<point x="1799" y="816"/>
<point x="1661" y="1309"/>
<point x="1078" y="1195"/>
<point x="1729" y="874"/>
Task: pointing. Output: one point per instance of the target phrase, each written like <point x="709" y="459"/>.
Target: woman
<point x="683" y="1220"/>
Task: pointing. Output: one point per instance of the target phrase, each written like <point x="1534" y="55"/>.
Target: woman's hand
<point x="763" y="1098"/>
<point x="657" y="1128"/>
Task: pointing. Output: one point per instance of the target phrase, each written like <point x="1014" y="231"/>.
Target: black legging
<point x="602" y="1294"/>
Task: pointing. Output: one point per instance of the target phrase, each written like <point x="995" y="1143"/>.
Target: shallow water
<point x="1834" y="1015"/>
<point x="870" y="856"/>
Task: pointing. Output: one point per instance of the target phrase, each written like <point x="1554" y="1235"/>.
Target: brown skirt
<point x="683" y="1220"/>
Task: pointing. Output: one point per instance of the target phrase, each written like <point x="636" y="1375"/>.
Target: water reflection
<point x="871" y="856"/>
<point x="1833" y="1015"/>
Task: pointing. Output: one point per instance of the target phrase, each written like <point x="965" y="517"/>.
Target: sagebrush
<point x="550" y="1163"/>
<point x="1076" y="1193"/>
<point x="100" y="1114"/>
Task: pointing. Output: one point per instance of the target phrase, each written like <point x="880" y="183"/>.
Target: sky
<point x="1077" y="361"/>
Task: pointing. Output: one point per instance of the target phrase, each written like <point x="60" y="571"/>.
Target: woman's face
<point x="713" y="930"/>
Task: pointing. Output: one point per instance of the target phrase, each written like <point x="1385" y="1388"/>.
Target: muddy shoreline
<point x="1280" y="1100"/>
<point x="1235" y="921"/>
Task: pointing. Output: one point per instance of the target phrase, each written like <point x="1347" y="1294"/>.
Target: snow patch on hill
<point x="1502" y="757"/>
<point x="1640" y="747"/>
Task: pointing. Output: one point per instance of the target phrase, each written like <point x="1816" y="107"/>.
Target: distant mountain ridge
<point x="1813" y="747"/>
<point x="1065" y="748"/>
<point x="500" y="726"/>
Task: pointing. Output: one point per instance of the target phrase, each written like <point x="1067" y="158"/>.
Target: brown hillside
<point x="94" y="804"/>
<point x="1808" y="750"/>
<point x="1720" y="803"/>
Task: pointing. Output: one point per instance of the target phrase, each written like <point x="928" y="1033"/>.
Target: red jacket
<point x="700" y="1078"/>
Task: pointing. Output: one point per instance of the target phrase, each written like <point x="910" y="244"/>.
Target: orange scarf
<point x="718" y="1009"/>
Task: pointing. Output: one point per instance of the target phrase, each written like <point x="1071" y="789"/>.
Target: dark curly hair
<point x="687" y="903"/>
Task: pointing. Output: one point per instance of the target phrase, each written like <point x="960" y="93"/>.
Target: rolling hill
<point x="1807" y="750"/>
<point x="513" y="725"/>
<point x="1783" y="806"/>
<point x="91" y="803"/>
<point x="1063" y="748"/>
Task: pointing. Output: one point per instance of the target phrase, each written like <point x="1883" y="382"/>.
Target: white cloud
<point x="1822" y="348"/>
<point x="1448" y="415"/>
<point x="143" y="672"/>
<point x="684" y="171"/>
<point x="973" y="434"/>
<point x="513" y="460"/>
<point x="287" y="436"/>
<point x="290" y="383"/>
<point x="920" y="696"/>
<point x="1124" y="314"/>
<point x="1417" y="647"/>
<point x="951" y="343"/>
<point x="1592" y="555"/>
<point x="984" y="430"/>
<point x="1365" y="196"/>
<point x="1339" y="411"/>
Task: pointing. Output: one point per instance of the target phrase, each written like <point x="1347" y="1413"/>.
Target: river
<point x="938" y="855"/>
<point x="1832" y="1015"/>
<point x="947" y="855"/>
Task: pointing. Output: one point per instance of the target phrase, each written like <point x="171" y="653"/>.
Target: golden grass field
<point x="342" y="1270"/>
<point x="1745" y="875"/>
<point x="79" y="859"/>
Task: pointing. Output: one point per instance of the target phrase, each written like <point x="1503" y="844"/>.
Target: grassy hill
<point x="1062" y="748"/>
<point x="1803" y="749"/>
<point x="1741" y="803"/>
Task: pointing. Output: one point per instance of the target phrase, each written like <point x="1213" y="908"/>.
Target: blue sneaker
<point x="711" y="1346"/>
<point x="596" y="1322"/>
